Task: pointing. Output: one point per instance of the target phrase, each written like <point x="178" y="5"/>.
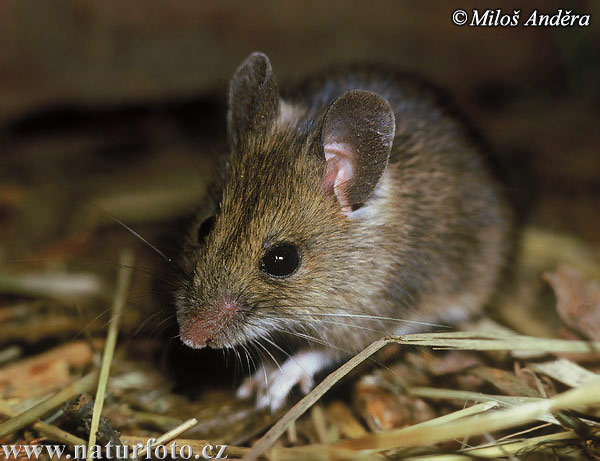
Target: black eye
<point x="205" y="228"/>
<point x="280" y="260"/>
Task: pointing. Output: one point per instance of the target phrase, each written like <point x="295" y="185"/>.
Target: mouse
<point x="352" y="206"/>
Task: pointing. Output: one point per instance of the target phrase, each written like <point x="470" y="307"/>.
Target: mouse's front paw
<point x="246" y="389"/>
<point x="272" y="385"/>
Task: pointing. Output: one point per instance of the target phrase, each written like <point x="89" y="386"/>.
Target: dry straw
<point x="448" y="427"/>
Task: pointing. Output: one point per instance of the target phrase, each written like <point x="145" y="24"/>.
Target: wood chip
<point x="44" y="373"/>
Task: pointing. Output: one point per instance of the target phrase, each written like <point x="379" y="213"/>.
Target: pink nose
<point x="197" y="333"/>
<point x="197" y="330"/>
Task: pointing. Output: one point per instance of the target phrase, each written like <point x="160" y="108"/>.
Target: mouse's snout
<point x="196" y="333"/>
<point x="197" y="330"/>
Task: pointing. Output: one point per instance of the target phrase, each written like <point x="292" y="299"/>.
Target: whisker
<point x="368" y="317"/>
<point x="162" y="322"/>
<point x="275" y="345"/>
<point x="311" y="338"/>
<point x="95" y="261"/>
<point x="259" y="352"/>
<point x="349" y="325"/>
<point x="237" y="354"/>
<point x="89" y="323"/>
<point x="246" y="353"/>
<point x="144" y="270"/>
<point x="144" y="323"/>
<point x="269" y="353"/>
<point x="136" y="234"/>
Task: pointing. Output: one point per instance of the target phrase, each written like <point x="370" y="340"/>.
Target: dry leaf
<point x="384" y="410"/>
<point x="43" y="373"/>
<point x="578" y="300"/>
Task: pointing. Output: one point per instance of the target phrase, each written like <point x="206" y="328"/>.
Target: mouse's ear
<point x="253" y="99"/>
<point x="357" y="135"/>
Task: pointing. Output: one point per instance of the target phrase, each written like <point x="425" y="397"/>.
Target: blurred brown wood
<point x="76" y="51"/>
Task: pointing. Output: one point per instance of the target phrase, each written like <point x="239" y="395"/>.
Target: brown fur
<point x="428" y="245"/>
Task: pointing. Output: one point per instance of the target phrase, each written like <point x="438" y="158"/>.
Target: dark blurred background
<point x="121" y="104"/>
<point x="116" y="110"/>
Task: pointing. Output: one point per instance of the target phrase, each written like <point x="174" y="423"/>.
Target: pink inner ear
<point x="340" y="171"/>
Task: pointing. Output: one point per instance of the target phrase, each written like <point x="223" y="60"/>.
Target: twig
<point x="124" y="278"/>
<point x="463" y="413"/>
<point x="298" y="410"/>
<point x="58" y="434"/>
<point x="168" y="436"/>
<point x="524" y="431"/>
<point x="452" y="394"/>
<point x="51" y="431"/>
<point x="499" y="450"/>
<point x="483" y="341"/>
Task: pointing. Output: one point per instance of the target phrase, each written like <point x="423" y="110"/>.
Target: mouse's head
<point x="282" y="240"/>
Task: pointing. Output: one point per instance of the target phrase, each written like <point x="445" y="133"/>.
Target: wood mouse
<point x="355" y="206"/>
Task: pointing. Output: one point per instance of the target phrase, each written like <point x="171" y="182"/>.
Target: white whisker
<point x="373" y="317"/>
<point x="269" y="353"/>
